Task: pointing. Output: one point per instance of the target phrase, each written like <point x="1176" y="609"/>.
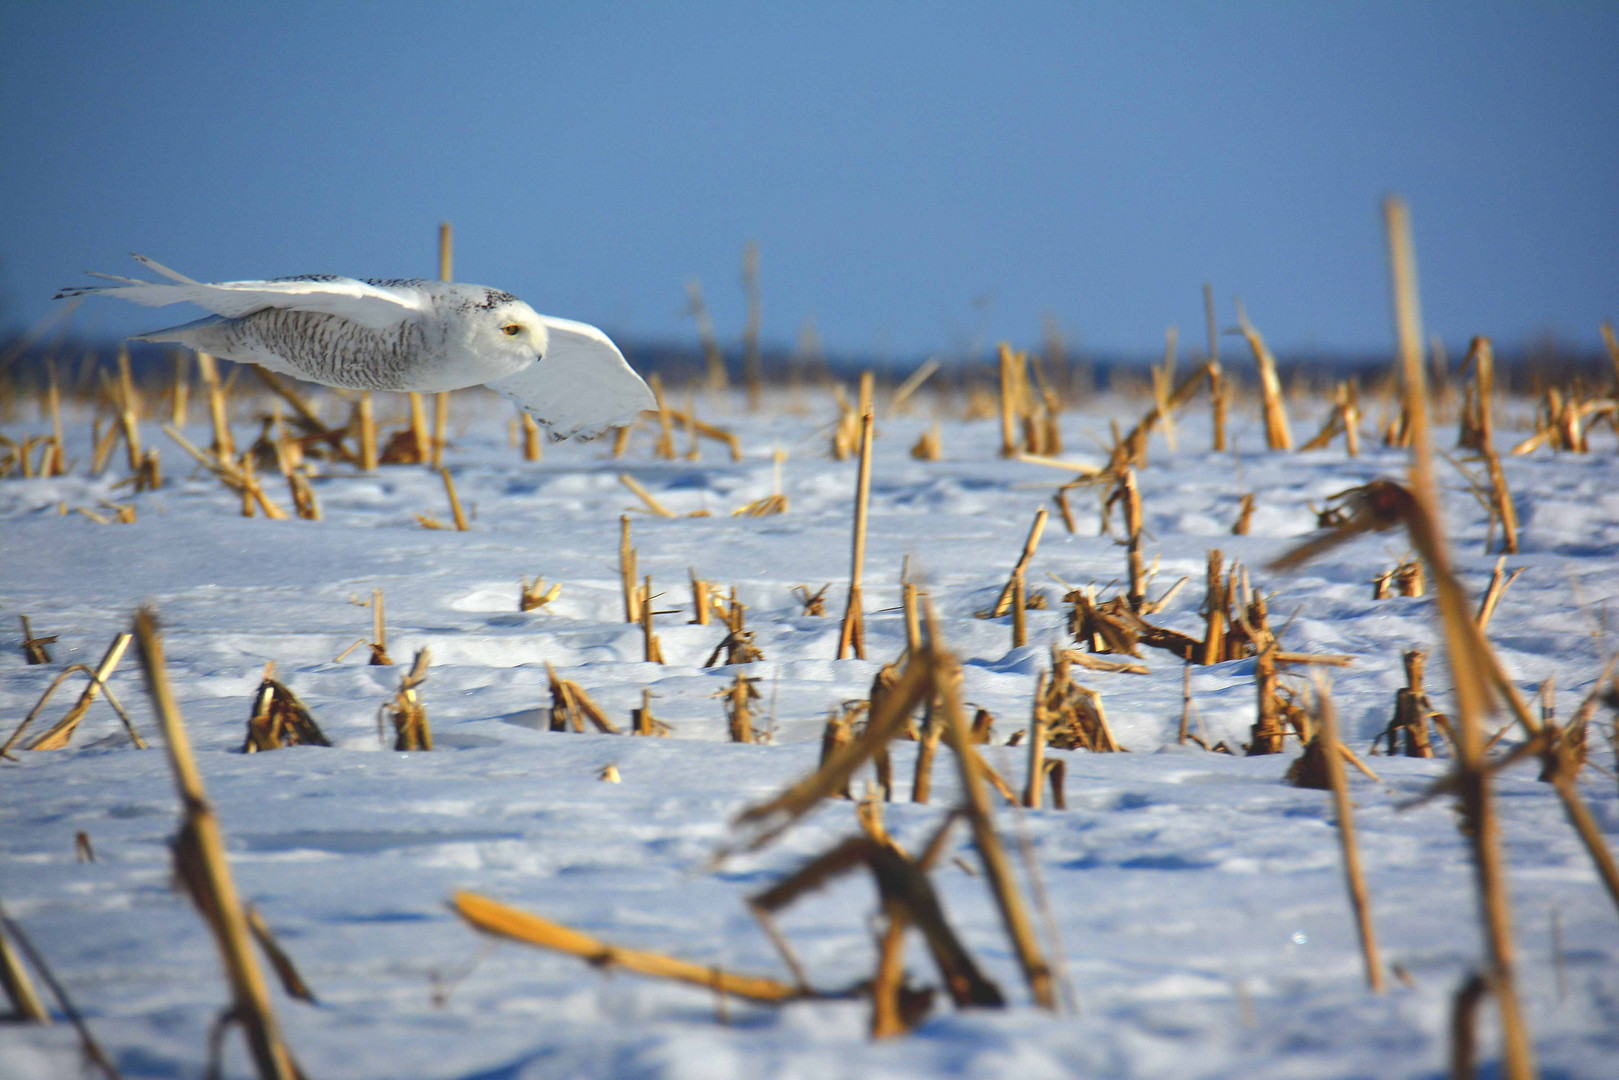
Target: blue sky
<point x="919" y="177"/>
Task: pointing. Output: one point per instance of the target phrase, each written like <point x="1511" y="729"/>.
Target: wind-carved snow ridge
<point x="1199" y="897"/>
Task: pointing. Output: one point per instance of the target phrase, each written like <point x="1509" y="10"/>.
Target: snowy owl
<point x="402" y="334"/>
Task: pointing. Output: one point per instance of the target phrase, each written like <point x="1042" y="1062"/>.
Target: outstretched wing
<point x="375" y="306"/>
<point x="581" y="386"/>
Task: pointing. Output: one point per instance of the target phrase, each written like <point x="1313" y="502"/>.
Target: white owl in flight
<point x="405" y="334"/>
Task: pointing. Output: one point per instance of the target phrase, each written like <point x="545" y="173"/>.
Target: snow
<point x="1199" y="898"/>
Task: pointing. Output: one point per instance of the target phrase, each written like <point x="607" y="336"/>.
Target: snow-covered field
<point x="1199" y="898"/>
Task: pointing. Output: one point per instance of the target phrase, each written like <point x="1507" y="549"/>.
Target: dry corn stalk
<point x="1003" y="602"/>
<point x="33" y="648"/>
<point x="14" y="980"/>
<point x="1327" y="736"/>
<point x="1269" y="730"/>
<point x="571" y="706"/>
<point x="642" y="722"/>
<point x="1502" y="509"/>
<point x="102" y="445"/>
<point x="664" y="445"/>
<point x="1042" y="430"/>
<point x="1564" y="421"/>
<point x="200" y="862"/>
<point x="908" y="900"/>
<point x="1083" y="473"/>
<point x="365" y="425"/>
<point x="316" y="435"/>
<point x="1216" y="601"/>
<point x="535" y="595"/>
<point x="1499" y="581"/>
<point x="218" y="409"/>
<point x="1476" y="429"/>
<point x="281" y="963"/>
<point x="698" y="309"/>
<point x="814" y="602"/>
<point x="776" y="501"/>
<point x="533" y="445"/>
<point x="837" y="734"/>
<point x="927" y="748"/>
<point x="1278" y="707"/>
<point x="621" y="439"/>
<point x="12" y="974"/>
<point x="737" y="645"/>
<point x="694" y="446"/>
<point x="910" y="603"/>
<point x="846" y="428"/>
<point x="1098" y="663"/>
<point x="1112" y="626"/>
<point x="882" y="684"/>
<point x="1070" y="716"/>
<point x="1127" y="496"/>
<point x="1412" y="711"/>
<point x="1245" y="515"/>
<point x="303" y="496"/>
<point x="1473" y="663"/>
<point x="1034" y="777"/>
<point x="406" y="711"/>
<point x="1277" y="434"/>
<point x="913" y="382"/>
<point x="1404" y="579"/>
<point x="1476" y="433"/>
<point x="652" y="504"/>
<point x="702" y="605"/>
<point x="279" y="719"/>
<point x="1131" y="450"/>
<point x="852" y="635"/>
<point x="54" y="464"/>
<point x="58" y="736"/>
<point x="1218" y="391"/>
<point x="410" y="445"/>
<point x="997" y="871"/>
<point x="739" y="698"/>
<point x="1020" y="617"/>
<point x="652" y="652"/>
<point x="455" y="503"/>
<point x="931" y="671"/>
<point x="709" y="431"/>
<point x="128" y="404"/>
<point x="496" y="918"/>
<point x="1016" y="404"/>
<point x="771" y="504"/>
<point x="983" y="727"/>
<point x="772" y="817"/>
<point x="928" y="446"/>
<point x="236" y="474"/>
<point x="379" y="633"/>
<point x="1344" y="419"/>
<point x="626" y="572"/>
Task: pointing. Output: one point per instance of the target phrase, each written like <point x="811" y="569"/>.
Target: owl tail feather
<point x="193" y="335"/>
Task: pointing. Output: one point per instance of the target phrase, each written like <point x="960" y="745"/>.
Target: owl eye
<point x="511" y="329"/>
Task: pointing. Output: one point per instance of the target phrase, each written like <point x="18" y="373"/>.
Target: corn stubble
<point x="62" y="731"/>
<point x="930" y="677"/>
<point x="1385" y="505"/>
<point x="201" y="866"/>
<point x="918" y="696"/>
<point x="279" y="718"/>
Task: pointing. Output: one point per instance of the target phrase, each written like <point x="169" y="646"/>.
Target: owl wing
<point x="376" y="306"/>
<point x="581" y="386"/>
